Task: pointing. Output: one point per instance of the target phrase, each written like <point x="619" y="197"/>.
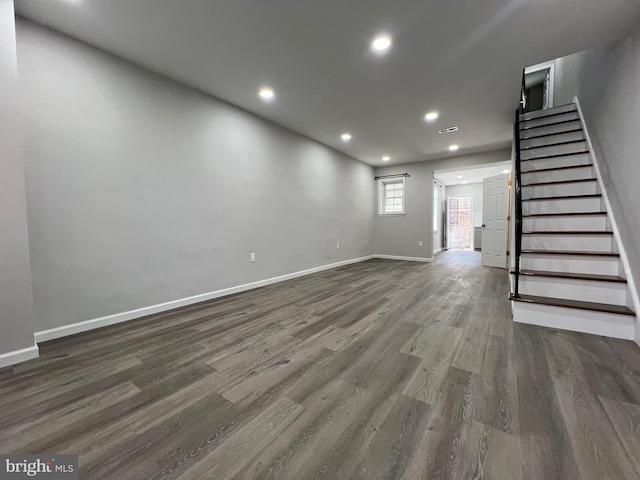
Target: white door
<point x="495" y="195"/>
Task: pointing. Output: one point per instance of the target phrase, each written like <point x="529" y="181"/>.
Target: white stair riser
<point x="538" y="122"/>
<point x="571" y="264"/>
<point x="563" y="205"/>
<point x="571" y="289"/>
<point x="586" y="223"/>
<point x="595" y="323"/>
<point x="560" y="190"/>
<point x="562" y="127"/>
<point x="542" y="141"/>
<point x="553" y="150"/>
<point x="555" y="162"/>
<point x="559" y="175"/>
<point x="590" y="223"/>
<point x="573" y="243"/>
<point x="570" y="107"/>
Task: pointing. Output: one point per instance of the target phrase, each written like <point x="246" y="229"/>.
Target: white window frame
<point x="381" y="195"/>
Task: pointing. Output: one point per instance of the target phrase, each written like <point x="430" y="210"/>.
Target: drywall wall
<point x="606" y="80"/>
<point x="400" y="235"/>
<point x="142" y="191"/>
<point x="16" y="309"/>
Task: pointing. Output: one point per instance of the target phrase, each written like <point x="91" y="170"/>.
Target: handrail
<point x="518" y="187"/>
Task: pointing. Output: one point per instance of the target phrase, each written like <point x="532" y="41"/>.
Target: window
<point x="391" y="195"/>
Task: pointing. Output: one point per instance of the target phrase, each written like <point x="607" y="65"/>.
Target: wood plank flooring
<point x="381" y="369"/>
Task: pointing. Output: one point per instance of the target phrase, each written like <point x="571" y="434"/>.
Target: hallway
<point x="381" y="369"/>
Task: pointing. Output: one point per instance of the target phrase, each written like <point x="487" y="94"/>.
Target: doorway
<point x="539" y="81"/>
<point x="459" y="222"/>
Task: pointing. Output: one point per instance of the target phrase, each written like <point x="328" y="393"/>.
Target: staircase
<point x="571" y="276"/>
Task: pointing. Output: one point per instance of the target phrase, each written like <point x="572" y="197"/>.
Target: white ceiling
<point x="460" y="57"/>
<point x="471" y="174"/>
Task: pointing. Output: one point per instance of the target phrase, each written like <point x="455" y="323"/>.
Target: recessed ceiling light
<point x="453" y="148"/>
<point x="381" y="43"/>
<point x="459" y="176"/>
<point x="431" y="116"/>
<point x="386" y="158"/>
<point x="345" y="137"/>
<point x="267" y="93"/>
<point x="506" y="171"/>
<point x="464" y="182"/>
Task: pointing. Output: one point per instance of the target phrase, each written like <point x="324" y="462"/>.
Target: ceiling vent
<point x="448" y="130"/>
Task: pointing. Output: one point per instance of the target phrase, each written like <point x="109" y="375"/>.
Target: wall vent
<point x="448" y="130"/>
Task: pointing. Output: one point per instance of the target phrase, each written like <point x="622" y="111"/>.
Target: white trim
<point x="92" y="324"/>
<point x="17" y="356"/>
<point x="409" y="259"/>
<point x="438" y="250"/>
<point x="551" y="66"/>
<point x="614" y="226"/>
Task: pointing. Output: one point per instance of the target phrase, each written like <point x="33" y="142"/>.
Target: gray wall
<point x="16" y="309"/>
<point x="142" y="191"/>
<point x="399" y="235"/>
<point x="607" y="83"/>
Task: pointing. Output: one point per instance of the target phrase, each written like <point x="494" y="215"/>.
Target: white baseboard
<point x="17" y="356"/>
<point x="409" y="259"/>
<point x="631" y="286"/>
<point x="438" y="250"/>
<point x="92" y="324"/>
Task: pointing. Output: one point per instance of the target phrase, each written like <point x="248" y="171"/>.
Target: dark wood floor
<point x="381" y="369"/>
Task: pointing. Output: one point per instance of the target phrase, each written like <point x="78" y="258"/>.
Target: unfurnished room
<point x="330" y="239"/>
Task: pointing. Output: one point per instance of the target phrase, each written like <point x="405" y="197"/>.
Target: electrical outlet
<point x="337" y="246"/>
<point x="420" y="243"/>
<point x="252" y="257"/>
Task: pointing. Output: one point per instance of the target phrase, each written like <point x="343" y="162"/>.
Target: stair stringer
<point x="633" y="301"/>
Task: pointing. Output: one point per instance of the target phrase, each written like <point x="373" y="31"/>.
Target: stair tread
<point x="555" y="155"/>
<point x="554" y="113"/>
<point x="552" y="144"/>
<point x="563" y="197"/>
<point x="576" y="276"/>
<point x="561" y="302"/>
<point x="546" y="112"/>
<point x="574" y="130"/>
<point x="524" y="128"/>
<point x="564" y="214"/>
<point x="558" y="168"/>
<point x="568" y="232"/>
<point x="570" y="252"/>
<point x="558" y="182"/>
